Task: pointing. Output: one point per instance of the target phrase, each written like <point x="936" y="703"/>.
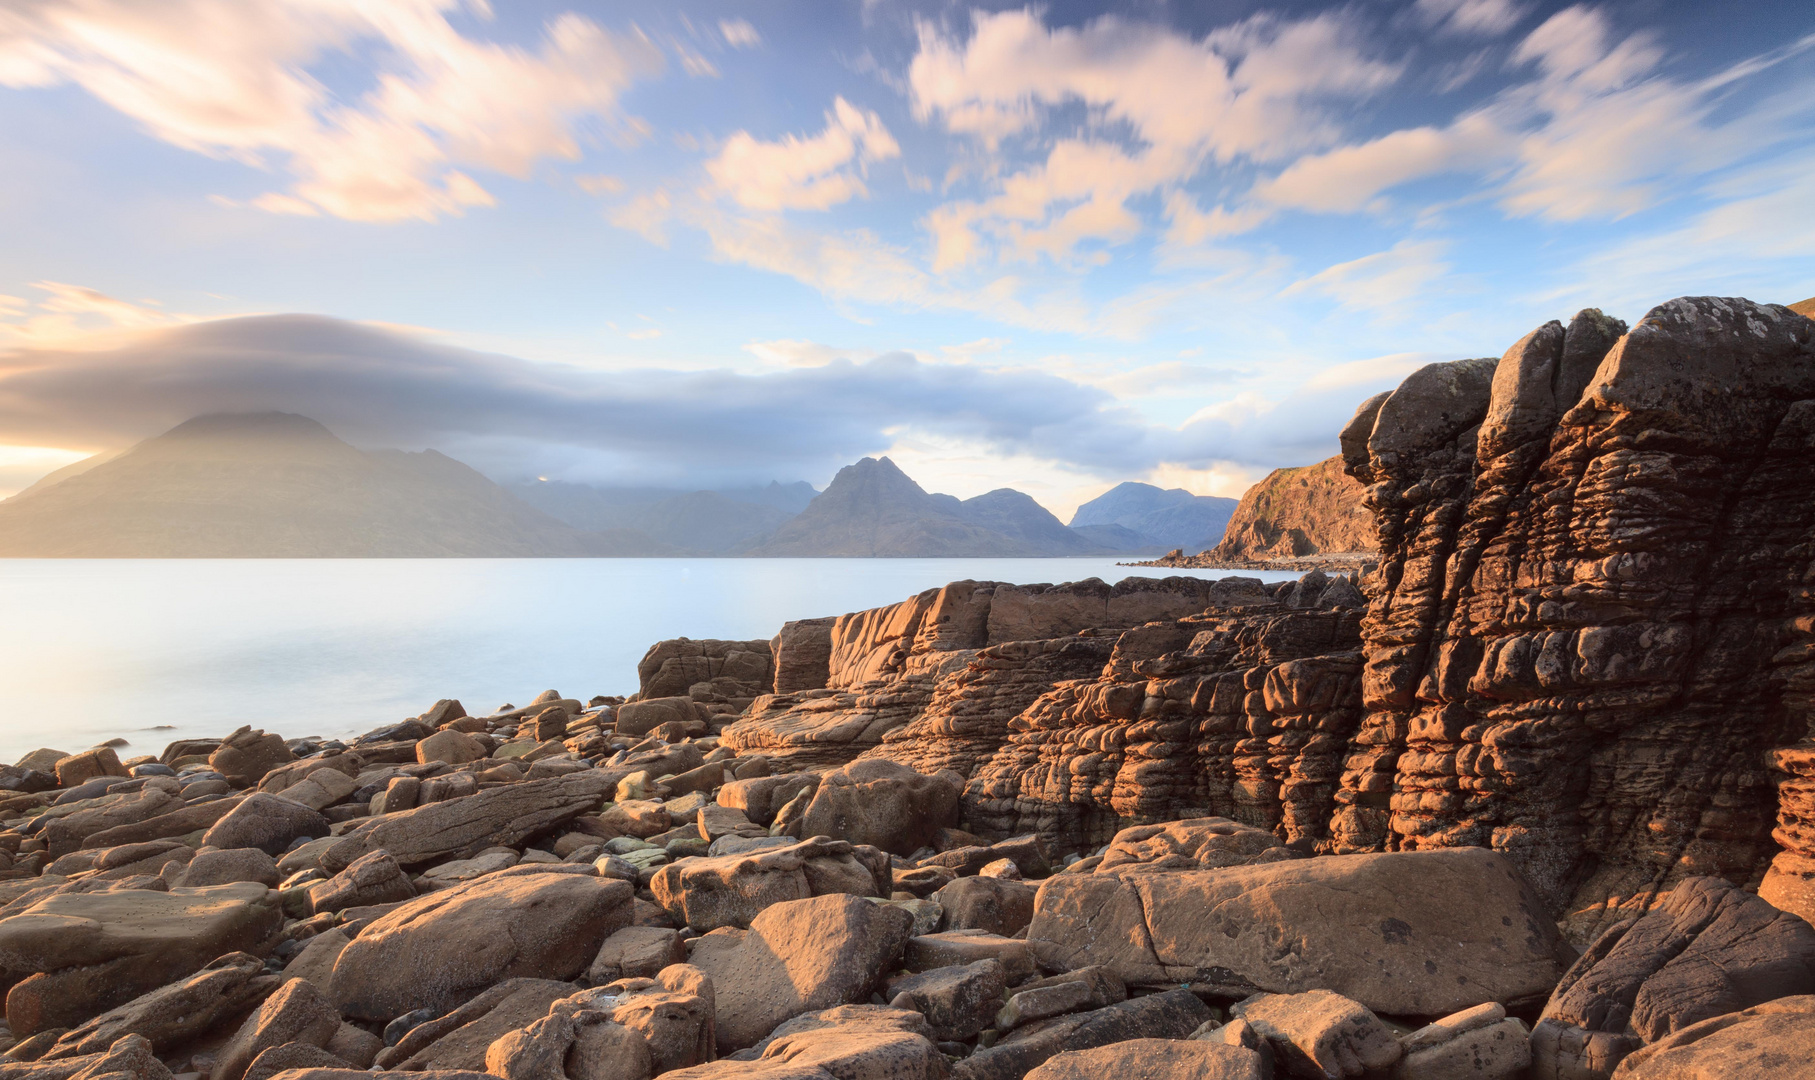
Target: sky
<point x="706" y="244"/>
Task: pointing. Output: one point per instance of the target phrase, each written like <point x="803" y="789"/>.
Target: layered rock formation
<point x="1313" y="510"/>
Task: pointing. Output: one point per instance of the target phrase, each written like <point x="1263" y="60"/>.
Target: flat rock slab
<point x="1384" y="930"/>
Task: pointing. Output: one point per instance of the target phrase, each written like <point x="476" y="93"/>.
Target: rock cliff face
<point x="1589" y="645"/>
<point x="1313" y="510"/>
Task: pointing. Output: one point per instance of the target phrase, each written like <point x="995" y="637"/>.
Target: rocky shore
<point x="1531" y="798"/>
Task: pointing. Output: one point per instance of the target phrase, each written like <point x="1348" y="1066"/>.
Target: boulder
<point x="636" y="952"/>
<point x="803" y="655"/>
<point x="1481" y="1043"/>
<point x="501" y="816"/>
<point x="82" y="954"/>
<point x="958" y="1002"/>
<point x="459" y="1039"/>
<point x="315" y="961"/>
<point x="883" y="804"/>
<point x="1321" y="1034"/>
<point x="129" y="1058"/>
<point x="1772" y="1041"/>
<point x="298" y="1012"/>
<point x="172" y="1014"/>
<point x="1707" y="949"/>
<point x="1385" y="930"/>
<point x="440" y="950"/>
<point x="77" y="829"/>
<point x="295" y="1055"/>
<point x="1154" y="1059"/>
<point x="179" y="821"/>
<point x="371" y="879"/>
<point x="631" y="1030"/>
<point x="247" y="755"/>
<point x="798" y="956"/>
<point x="270" y="823"/>
<point x="1076" y="991"/>
<point x="639" y="718"/>
<point x="990" y="904"/>
<point x="89" y="764"/>
<point x="223" y="866"/>
<point x="731" y="890"/>
<point x="321" y="789"/>
<point x="1194" y="844"/>
<point x="1170" y="1015"/>
<point x="452" y="747"/>
<point x="760" y="797"/>
<point x="944" y="949"/>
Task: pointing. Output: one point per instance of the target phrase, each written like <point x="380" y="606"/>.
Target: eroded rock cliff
<point x="1311" y="510"/>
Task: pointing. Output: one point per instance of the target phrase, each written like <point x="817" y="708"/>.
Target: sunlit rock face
<point x="1587" y="645"/>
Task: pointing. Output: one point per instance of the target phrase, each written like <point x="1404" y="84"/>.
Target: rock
<point x="294" y="1055"/>
<point x="634" y="1030"/>
<point x="1320" y="1034"/>
<point x="639" y="952"/>
<point x="761" y="797"/>
<point x="497" y="817"/>
<point x="130" y="1058"/>
<point x="79" y="828"/>
<point x="1708" y="949"/>
<point x="85" y="953"/>
<point x="458" y="1040"/>
<point x="89" y="764"/>
<point x="1310" y="510"/>
<point x="1027" y="853"/>
<point x="298" y="1012"/>
<point x="1481" y="1043"/>
<point x="638" y="718"/>
<point x="636" y="817"/>
<point x="1094" y="988"/>
<point x="929" y="951"/>
<point x="958" y="1002"/>
<point x="321" y="789"/>
<point x="247" y="755"/>
<point x="730" y="668"/>
<point x="731" y="890"/>
<point x="1384" y="930"/>
<point x="802" y="653"/>
<point x="223" y="866"/>
<point x="924" y="880"/>
<point x="1170" y="1015"/>
<point x="452" y="747"/>
<point x="797" y="957"/>
<point x="177" y="822"/>
<point x="1772" y="1041"/>
<point x="315" y="961"/>
<point x="371" y="879"/>
<point x="169" y="1015"/>
<point x="1154" y="1059"/>
<point x="883" y="804"/>
<point x="270" y="823"/>
<point x="994" y="905"/>
<point x="1197" y="844"/>
<point x="440" y="950"/>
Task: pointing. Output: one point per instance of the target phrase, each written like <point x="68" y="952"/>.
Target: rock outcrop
<point x="1311" y="510"/>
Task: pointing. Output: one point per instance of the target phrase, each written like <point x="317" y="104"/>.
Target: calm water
<point x="92" y="649"/>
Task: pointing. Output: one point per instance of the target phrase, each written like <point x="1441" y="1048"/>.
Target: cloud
<point x="513" y="418"/>
<point x="237" y="80"/>
<point x="75" y="314"/>
<point x="811" y="173"/>
<point x="1249" y="91"/>
<point x="1470" y="17"/>
<point x="739" y="34"/>
<point x="1386" y="282"/>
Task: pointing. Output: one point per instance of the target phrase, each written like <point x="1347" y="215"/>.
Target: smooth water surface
<point x="155" y="650"/>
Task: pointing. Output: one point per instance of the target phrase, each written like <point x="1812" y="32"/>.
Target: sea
<point x="152" y="650"/>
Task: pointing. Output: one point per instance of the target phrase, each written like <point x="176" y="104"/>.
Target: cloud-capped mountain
<point x="276" y="485"/>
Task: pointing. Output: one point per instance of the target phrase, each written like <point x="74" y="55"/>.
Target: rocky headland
<point x="1314" y="517"/>
<point x="1532" y="797"/>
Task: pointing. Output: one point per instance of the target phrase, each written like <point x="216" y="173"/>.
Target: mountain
<point x="276" y="485"/>
<point x="1806" y="307"/>
<point x="873" y="509"/>
<point x="707" y="522"/>
<point x="1310" y="510"/>
<point x="1161" y="517"/>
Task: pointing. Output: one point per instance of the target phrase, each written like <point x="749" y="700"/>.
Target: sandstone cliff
<point x="1589" y="645"/>
<point x="1312" y="510"/>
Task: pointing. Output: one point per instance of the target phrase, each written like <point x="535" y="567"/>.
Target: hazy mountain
<point x="1164" y="518"/>
<point x="872" y="508"/>
<point x="274" y="485"/>
<point x="707" y="522"/>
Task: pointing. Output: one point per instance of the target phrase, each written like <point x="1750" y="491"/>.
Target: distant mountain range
<point x="276" y="485"/>
<point x="1133" y="516"/>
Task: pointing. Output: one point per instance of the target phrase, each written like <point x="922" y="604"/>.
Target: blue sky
<point x="1051" y="247"/>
